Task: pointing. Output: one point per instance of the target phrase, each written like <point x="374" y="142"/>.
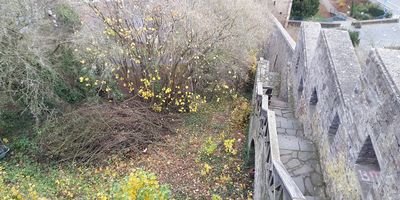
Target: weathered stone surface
<point x="304" y="156"/>
<point x="304" y="169"/>
<point x="285" y="158"/>
<point x="293" y="163"/>
<point x="281" y="130"/>
<point x="280" y="51"/>
<point x="286" y="124"/>
<point x="300" y="183"/>
<point x="298" y="154"/>
<point x="308" y="185"/>
<point x="306" y="145"/>
<point x="316" y="179"/>
<point x="365" y="96"/>
<point x="288" y="142"/>
<point x="326" y="81"/>
<point x="290" y="132"/>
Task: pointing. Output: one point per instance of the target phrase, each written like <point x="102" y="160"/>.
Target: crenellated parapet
<point x="349" y="109"/>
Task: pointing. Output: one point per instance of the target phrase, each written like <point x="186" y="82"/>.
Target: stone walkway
<point x="297" y="153"/>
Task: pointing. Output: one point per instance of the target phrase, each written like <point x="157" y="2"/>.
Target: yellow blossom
<point x="206" y="169"/>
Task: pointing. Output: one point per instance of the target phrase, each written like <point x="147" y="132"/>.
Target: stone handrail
<point x="280" y="184"/>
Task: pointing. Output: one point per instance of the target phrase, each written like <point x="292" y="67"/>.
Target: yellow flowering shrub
<point x="167" y="56"/>
<point x="229" y="148"/>
<point x="142" y="185"/>
<point x="209" y="147"/>
<point x="206" y="170"/>
<point x="216" y="197"/>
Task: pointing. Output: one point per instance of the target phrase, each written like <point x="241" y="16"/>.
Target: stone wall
<point x="256" y="143"/>
<point x="321" y="93"/>
<point x="279" y="53"/>
<point x="350" y="111"/>
<point x="281" y="9"/>
<point x="376" y="110"/>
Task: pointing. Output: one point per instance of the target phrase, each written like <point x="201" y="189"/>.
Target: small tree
<point x="30" y="50"/>
<point x="302" y="9"/>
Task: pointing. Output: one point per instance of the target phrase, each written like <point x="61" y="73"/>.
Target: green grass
<point x="195" y="121"/>
<point x="22" y="175"/>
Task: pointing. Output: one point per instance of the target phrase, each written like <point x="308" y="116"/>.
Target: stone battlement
<point x="350" y="110"/>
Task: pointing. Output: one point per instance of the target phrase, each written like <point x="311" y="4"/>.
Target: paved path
<point x="377" y="35"/>
<point x="297" y="153"/>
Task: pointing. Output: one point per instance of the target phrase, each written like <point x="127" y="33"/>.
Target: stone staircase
<point x="298" y="154"/>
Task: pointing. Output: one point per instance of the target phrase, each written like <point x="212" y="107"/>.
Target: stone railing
<point x="297" y="23"/>
<point x="280" y="184"/>
<point x="358" y="24"/>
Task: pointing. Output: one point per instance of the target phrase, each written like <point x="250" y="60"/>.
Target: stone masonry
<point x="281" y="9"/>
<point x="349" y="110"/>
<point x="296" y="153"/>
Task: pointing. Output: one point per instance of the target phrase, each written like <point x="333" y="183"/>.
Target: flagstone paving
<point x="297" y="153"/>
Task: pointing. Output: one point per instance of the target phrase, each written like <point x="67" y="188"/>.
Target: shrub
<point x="375" y="11"/>
<point x="29" y="41"/>
<point x="240" y="115"/>
<point x="173" y="54"/>
<point x="66" y="86"/>
<point x="303" y="9"/>
<point x="209" y="147"/>
<point x="366" y="11"/>
<point x="67" y="17"/>
<point x="13" y="119"/>
<point x="141" y="185"/>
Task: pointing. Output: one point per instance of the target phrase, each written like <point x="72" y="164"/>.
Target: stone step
<point x="277" y="103"/>
<point x="287" y="123"/>
<point x="290" y="142"/>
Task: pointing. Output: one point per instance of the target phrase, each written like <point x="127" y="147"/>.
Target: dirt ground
<point x="324" y="12"/>
<point x="180" y="162"/>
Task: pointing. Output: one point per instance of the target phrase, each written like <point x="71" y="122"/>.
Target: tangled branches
<point x="91" y="134"/>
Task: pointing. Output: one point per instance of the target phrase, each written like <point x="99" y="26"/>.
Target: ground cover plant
<point x="186" y="165"/>
<point x="367" y="10"/>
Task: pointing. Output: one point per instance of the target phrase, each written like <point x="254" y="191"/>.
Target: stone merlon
<point x="349" y="109"/>
<point x="389" y="60"/>
<point x="343" y="60"/>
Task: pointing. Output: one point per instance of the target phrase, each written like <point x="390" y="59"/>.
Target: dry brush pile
<point x="96" y="132"/>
